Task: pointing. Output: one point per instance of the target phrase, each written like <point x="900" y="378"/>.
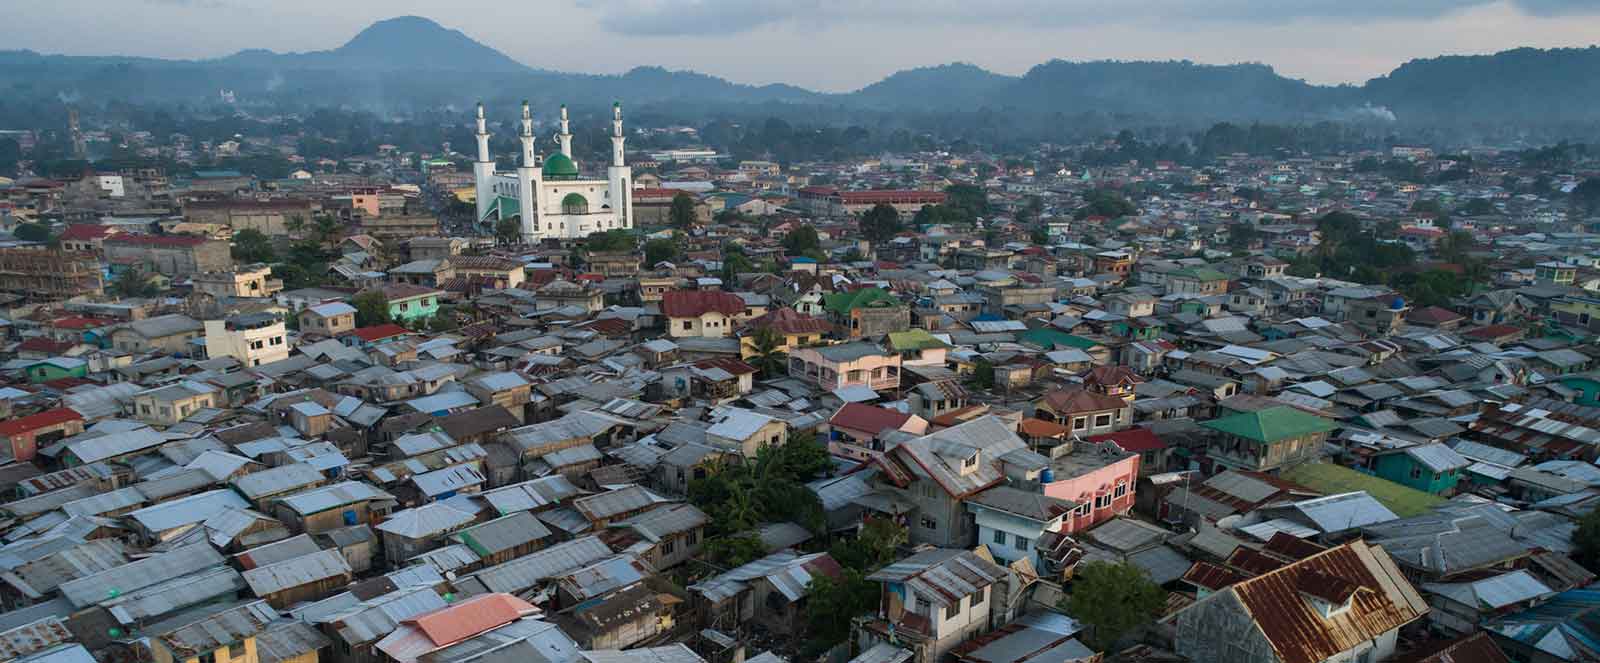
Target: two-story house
<point x="1011" y="521"/>
<point x="701" y="313"/>
<point x="848" y="364"/>
<point x="857" y="430"/>
<point x="1084" y="412"/>
<point x="868" y="312"/>
<point x="1344" y="604"/>
<point x="330" y="319"/>
<point x="935" y="472"/>
<point x="923" y="612"/>
<point x="1266" y="440"/>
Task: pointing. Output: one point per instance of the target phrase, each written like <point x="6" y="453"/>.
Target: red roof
<point x="157" y="240"/>
<point x="695" y="303"/>
<point x="1135" y="440"/>
<point x="1112" y="376"/>
<point x="789" y="321"/>
<point x="86" y="231"/>
<point x="470" y="617"/>
<point x="728" y="364"/>
<point x="657" y="193"/>
<point x="868" y="418"/>
<point x="34" y="422"/>
<point x="891" y="196"/>
<point x="1066" y="401"/>
<point x="380" y="332"/>
<point x="1492" y="332"/>
<point x="1432" y="315"/>
<point x="78" y="322"/>
<point x="42" y="344"/>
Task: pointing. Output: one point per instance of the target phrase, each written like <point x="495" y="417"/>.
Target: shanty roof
<point x="1270" y="425"/>
<point x="942" y="575"/>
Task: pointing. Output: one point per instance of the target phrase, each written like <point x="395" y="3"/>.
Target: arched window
<point x="574" y="203"/>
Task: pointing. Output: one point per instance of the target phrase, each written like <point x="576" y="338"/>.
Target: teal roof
<point x="1051" y="339"/>
<point x="503" y="207"/>
<point x="1201" y="274"/>
<point x="1270" y="425"/>
<point x="560" y="165"/>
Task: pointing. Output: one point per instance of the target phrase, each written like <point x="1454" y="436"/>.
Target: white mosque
<point x="551" y="199"/>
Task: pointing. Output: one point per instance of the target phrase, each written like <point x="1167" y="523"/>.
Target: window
<point x="1416" y="473"/>
<point x="1122" y="488"/>
<point x="929" y="523"/>
<point x="1102" y="501"/>
<point x="1080" y="423"/>
<point x="1023" y="543"/>
<point x="693" y="537"/>
<point x="1083" y="509"/>
<point x="953" y="610"/>
<point x="980" y="597"/>
<point x="1101" y="420"/>
<point x="277" y="340"/>
<point x="688" y="324"/>
<point x="666" y="547"/>
<point x="1000" y="537"/>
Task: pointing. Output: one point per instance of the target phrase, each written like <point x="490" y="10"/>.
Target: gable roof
<point x="1380" y="600"/>
<point x="868" y="418"/>
<point x="695" y="303"/>
<point x="1270" y="425"/>
<point x="842" y="303"/>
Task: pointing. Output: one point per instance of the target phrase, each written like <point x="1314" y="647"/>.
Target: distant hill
<point x="403" y="43"/>
<point x="378" y="68"/>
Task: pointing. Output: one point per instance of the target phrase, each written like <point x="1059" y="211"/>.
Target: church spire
<point x="566" y="133"/>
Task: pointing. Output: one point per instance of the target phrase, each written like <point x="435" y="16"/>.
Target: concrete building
<point x="253" y="339"/>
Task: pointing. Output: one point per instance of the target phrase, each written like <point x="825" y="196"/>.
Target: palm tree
<point x="769" y="350"/>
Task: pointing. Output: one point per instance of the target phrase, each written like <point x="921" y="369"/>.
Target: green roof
<point x="1201" y="274"/>
<point x="503" y="207"/>
<point x="843" y="303"/>
<point x="915" y="339"/>
<point x="1051" y="339"/>
<point x="559" y="165"/>
<point x="1332" y="479"/>
<point x="1271" y="424"/>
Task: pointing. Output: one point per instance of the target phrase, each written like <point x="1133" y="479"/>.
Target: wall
<point x="1071" y="488"/>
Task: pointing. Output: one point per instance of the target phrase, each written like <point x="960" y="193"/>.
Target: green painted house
<point x="409" y="303"/>
<point x="56" y="368"/>
<point x="868" y="312"/>
<point x="1430" y="468"/>
<point x="1266" y="440"/>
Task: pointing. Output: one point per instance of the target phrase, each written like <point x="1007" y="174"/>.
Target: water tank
<point x="1397" y="304"/>
<point x="1047" y="476"/>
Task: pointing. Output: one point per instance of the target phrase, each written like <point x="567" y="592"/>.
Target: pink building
<point x="1098" y="478"/>
<point x="848" y="364"/>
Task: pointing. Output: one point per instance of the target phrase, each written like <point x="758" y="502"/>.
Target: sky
<point x="837" y="45"/>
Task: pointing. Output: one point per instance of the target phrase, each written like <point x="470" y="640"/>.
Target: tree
<point x="833" y="603"/>
<point x="881" y="223"/>
<point x="1586" y="541"/>
<point x="983" y="373"/>
<point x="1586" y="195"/>
<point x="1112" y="600"/>
<point x="1242" y="235"/>
<point x="252" y="246"/>
<point x="133" y="283"/>
<point x="659" y="250"/>
<point x="1477" y="207"/>
<point x="508" y="231"/>
<point x="769" y="357"/>
<point x="372" y="308"/>
<point x="875" y="546"/>
<point x="1455" y="245"/>
<point x="681" y="214"/>
<point x="970" y="200"/>
<point x="1109" y="204"/>
<point x="32" y="232"/>
<point x="801" y="240"/>
<point x="735" y="262"/>
<point x="731" y="551"/>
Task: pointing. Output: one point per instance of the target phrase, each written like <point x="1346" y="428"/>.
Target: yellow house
<point x="222" y="636"/>
<point x="794" y="328"/>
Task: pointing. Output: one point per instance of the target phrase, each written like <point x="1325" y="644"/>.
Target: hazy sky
<point x="837" y="45"/>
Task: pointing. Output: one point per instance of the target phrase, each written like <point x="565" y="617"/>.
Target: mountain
<point x="958" y="84"/>
<point x="396" y="44"/>
<point x="384" y="68"/>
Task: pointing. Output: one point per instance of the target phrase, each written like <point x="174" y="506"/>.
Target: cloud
<point x="655" y="18"/>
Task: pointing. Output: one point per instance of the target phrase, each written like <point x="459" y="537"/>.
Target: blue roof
<point x="1568" y="621"/>
<point x="216" y="174"/>
<point x="801" y="259"/>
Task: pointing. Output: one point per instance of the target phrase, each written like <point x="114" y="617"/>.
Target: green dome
<point x="560" y="165"/>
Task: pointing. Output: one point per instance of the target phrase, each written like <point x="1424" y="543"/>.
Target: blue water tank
<point x="1397" y="304"/>
<point x="1047" y="476"/>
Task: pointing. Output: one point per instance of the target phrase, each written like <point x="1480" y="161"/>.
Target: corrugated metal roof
<point x="503" y="533"/>
<point x="175" y="594"/>
<point x="942" y="575"/>
<point x="531" y="495"/>
<point x="425" y="521"/>
<point x="677" y="653"/>
<point x="612" y="503"/>
<point x="226" y="625"/>
<point x="452" y="478"/>
<point x="529" y="570"/>
<point x="187" y="510"/>
<point x="317" y="500"/>
<point x="1494" y="593"/>
<point x="277" y="480"/>
<point x="303" y="570"/>
<point x="134" y="576"/>
<point x="290" y="639"/>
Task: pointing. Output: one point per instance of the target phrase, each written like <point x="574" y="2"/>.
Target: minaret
<point x="528" y="179"/>
<point x="483" y="168"/>
<point x="619" y="174"/>
<point x="566" y="135"/>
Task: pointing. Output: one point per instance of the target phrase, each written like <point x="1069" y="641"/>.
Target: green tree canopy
<point x="970" y="200"/>
<point x="615" y="239"/>
<point x="372" y="308"/>
<point x="133" y="283"/>
<point x="660" y="249"/>
<point x="508" y="231"/>
<point x="881" y="223"/>
<point x="252" y="246"/>
<point x="801" y="241"/>
<point x="1109" y="204"/>
<point x="1586" y="540"/>
<point x="32" y="232"/>
<point x="681" y="214"/>
<point x="1112" y="600"/>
